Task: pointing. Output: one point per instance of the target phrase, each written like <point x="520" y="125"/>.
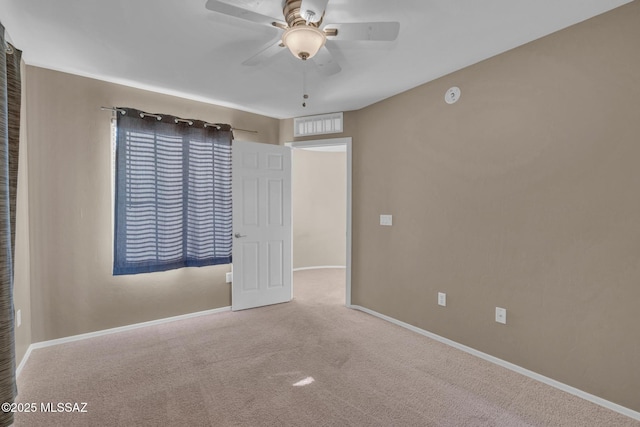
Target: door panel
<point x="276" y="255"/>
<point x="262" y="247"/>
<point x="275" y="200"/>
<point x="275" y="162"/>
<point x="250" y="202"/>
<point x="250" y="266"/>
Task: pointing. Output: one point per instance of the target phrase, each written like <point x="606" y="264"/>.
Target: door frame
<point x="347" y="142"/>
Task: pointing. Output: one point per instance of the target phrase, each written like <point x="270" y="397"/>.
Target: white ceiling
<point x="179" y="47"/>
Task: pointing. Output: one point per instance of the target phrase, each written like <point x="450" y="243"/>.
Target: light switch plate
<point x="386" y="219"/>
<point x="229" y="277"/>
<point x="501" y="315"/>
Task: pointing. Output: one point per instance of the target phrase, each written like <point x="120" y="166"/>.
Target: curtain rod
<point x="217" y="125"/>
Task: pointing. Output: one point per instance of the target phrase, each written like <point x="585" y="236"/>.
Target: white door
<point x="262" y="256"/>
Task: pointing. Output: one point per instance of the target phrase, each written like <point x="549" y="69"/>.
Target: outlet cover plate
<point x="442" y="299"/>
<point x="501" y="315"/>
<point x="229" y="277"/>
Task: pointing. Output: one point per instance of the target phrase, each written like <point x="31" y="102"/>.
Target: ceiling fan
<point x="304" y="34"/>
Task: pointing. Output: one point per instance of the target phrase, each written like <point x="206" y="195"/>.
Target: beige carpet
<point x="241" y="369"/>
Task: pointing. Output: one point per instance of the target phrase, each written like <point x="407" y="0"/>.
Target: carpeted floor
<point x="311" y="362"/>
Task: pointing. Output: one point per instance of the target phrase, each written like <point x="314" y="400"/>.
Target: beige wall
<point x="319" y="198"/>
<point x="72" y="288"/>
<point x="22" y="265"/>
<point x="523" y="195"/>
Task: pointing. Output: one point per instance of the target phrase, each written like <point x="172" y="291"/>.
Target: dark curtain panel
<point x="173" y="193"/>
<point x="10" y="89"/>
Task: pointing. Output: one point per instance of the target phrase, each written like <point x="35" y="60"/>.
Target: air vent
<point x="318" y="125"/>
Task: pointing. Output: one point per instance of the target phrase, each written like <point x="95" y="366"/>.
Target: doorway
<point x="318" y="248"/>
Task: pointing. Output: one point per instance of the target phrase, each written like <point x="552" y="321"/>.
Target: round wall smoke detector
<point x="452" y="95"/>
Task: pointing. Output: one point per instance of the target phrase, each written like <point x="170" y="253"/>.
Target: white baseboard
<point x="24" y="360"/>
<point x="318" y="267"/>
<point x="79" y="337"/>
<point x="546" y="380"/>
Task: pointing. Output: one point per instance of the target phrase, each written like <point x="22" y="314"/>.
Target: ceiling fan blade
<point x="264" y="54"/>
<point x="326" y="63"/>
<point x="374" y="31"/>
<point x="238" y="12"/>
<point x="316" y="7"/>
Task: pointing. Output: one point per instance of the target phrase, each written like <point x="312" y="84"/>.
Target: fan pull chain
<point x="305" y="96"/>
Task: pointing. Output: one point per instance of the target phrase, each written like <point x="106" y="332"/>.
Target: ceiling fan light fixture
<point x="304" y="41"/>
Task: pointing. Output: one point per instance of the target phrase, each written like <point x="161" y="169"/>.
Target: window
<point x="172" y="193"/>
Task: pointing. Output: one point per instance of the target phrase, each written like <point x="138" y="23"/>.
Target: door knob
<point x="238" y="235"/>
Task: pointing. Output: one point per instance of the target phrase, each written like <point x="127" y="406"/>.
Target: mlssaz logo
<point x="63" y="407"/>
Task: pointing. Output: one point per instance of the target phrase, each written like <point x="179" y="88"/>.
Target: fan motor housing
<point x="292" y="15"/>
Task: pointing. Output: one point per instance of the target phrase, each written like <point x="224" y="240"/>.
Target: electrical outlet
<point x="229" y="277"/>
<point x="18" y="318"/>
<point x="501" y="315"/>
<point x="386" y="219"/>
<point x="442" y="299"/>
